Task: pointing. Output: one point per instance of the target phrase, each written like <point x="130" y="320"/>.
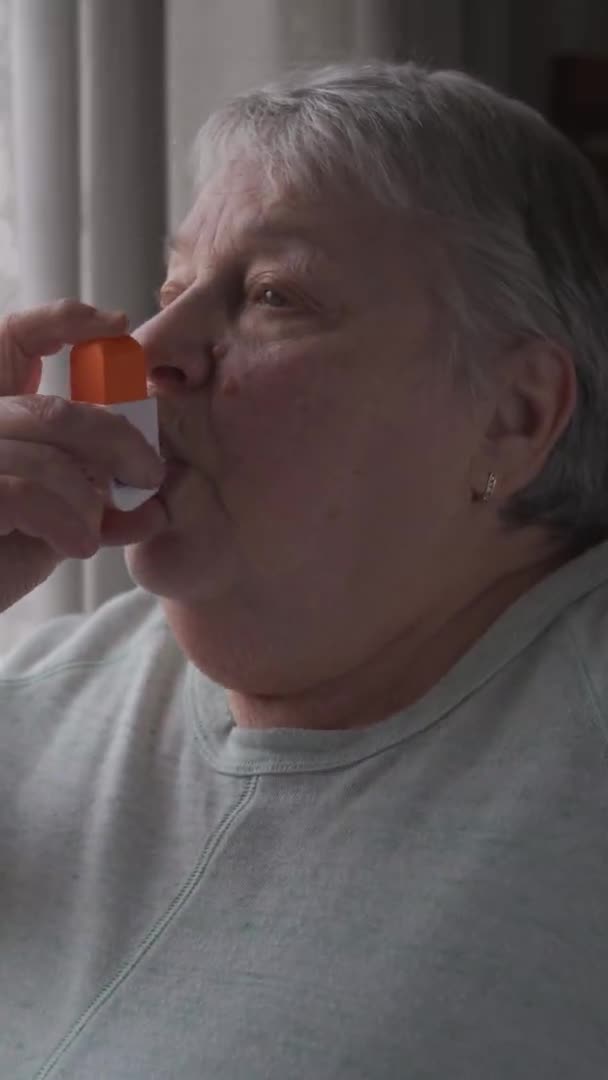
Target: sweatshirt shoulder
<point x="126" y="623"/>
<point x="586" y="623"/>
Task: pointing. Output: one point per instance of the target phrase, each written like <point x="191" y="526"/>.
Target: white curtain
<point x="9" y="264"/>
<point x="89" y="155"/>
<point x="91" y="147"/>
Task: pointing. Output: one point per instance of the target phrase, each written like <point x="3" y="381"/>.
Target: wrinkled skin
<point x="325" y="556"/>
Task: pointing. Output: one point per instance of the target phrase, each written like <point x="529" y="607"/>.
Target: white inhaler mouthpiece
<point x="112" y="372"/>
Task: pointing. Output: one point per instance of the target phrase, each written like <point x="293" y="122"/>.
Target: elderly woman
<point x="326" y="794"/>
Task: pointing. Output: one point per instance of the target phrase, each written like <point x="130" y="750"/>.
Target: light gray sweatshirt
<point x="425" y="899"/>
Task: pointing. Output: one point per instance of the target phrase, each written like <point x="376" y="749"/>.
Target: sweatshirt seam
<point x="154" y="934"/>
<point x="268" y="766"/>
<point x="68" y="665"/>
<point x="589" y="687"/>
<point x="330" y="763"/>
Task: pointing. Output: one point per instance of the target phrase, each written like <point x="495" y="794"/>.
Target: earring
<point x="490" y="488"/>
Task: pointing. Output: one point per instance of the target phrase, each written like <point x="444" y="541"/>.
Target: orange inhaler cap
<point x="108" y="370"/>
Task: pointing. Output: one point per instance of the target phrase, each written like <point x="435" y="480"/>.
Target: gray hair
<point x="524" y="220"/>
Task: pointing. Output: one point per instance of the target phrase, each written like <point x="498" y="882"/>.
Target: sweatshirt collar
<point x="246" y="751"/>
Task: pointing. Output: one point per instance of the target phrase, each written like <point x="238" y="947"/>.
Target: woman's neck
<point x="397" y="675"/>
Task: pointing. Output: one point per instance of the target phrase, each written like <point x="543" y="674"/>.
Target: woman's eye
<point x="268" y="297"/>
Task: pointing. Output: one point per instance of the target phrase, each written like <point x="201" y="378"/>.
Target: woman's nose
<point x="177" y="358"/>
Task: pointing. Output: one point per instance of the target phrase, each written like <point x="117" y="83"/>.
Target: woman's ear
<point x="533" y="402"/>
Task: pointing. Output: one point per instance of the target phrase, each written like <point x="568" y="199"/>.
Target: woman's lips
<point x="149" y="519"/>
<point x="173" y="467"/>
<point x="174" y="470"/>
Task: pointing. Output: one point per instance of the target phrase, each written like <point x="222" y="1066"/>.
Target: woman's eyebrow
<point x="301" y="248"/>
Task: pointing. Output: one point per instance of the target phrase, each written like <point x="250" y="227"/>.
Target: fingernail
<point x="88" y="545"/>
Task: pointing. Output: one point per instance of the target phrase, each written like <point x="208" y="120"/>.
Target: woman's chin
<point x="158" y="565"/>
<point x="186" y="556"/>
<point x="181" y="566"/>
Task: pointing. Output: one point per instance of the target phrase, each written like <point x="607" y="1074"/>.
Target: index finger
<point x="25" y="336"/>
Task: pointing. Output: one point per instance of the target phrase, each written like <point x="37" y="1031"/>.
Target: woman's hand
<point x="57" y="457"/>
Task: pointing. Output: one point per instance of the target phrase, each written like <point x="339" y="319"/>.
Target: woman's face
<point x="300" y="361"/>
